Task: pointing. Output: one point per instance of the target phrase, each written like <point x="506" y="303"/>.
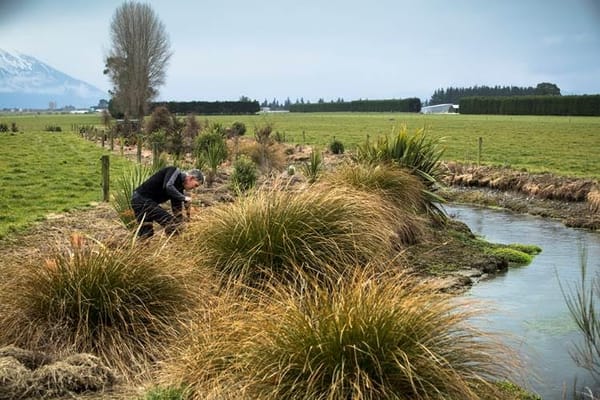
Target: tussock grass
<point x="593" y="198"/>
<point x="122" y="304"/>
<point x="398" y="187"/>
<point x="273" y="229"/>
<point x="368" y="336"/>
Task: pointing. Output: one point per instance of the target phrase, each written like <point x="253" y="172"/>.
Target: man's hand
<point x="187" y="199"/>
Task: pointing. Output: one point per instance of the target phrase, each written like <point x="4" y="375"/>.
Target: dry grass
<point x="400" y="189"/>
<point x="367" y="336"/>
<point x="24" y="375"/>
<point x="593" y="198"/>
<point x="122" y="304"/>
<point x="544" y="186"/>
<point x="274" y="229"/>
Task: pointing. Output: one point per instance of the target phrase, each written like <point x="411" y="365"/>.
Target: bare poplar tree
<point x="137" y="60"/>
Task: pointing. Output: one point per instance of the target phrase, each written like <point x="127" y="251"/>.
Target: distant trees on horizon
<point x="453" y="95"/>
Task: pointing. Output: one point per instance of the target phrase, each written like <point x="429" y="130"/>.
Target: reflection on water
<point x="528" y="302"/>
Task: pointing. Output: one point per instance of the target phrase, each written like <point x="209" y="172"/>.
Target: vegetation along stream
<point x="528" y="304"/>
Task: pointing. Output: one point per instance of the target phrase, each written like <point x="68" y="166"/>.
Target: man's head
<point x="193" y="179"/>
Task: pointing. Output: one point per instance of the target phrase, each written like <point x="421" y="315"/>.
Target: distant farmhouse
<point x="440" y="108"/>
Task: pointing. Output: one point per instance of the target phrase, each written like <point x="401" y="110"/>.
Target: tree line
<point x="587" y="105"/>
<point x="453" y="95"/>
<point x="392" y="105"/>
<point x="211" y="107"/>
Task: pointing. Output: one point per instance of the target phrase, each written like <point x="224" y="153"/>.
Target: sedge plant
<point x="122" y="304"/>
<point x="399" y="188"/>
<point x="358" y="335"/>
<point x="273" y="229"/>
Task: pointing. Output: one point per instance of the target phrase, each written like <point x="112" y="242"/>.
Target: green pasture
<point x="47" y="172"/>
<point x="567" y="146"/>
<point x="42" y="173"/>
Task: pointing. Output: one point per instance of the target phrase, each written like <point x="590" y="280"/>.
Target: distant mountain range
<point x="28" y="83"/>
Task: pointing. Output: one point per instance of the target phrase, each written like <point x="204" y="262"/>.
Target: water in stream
<point x="528" y="302"/>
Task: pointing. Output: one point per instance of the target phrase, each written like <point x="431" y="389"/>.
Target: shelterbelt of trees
<point x="586" y="105"/>
<point x="453" y="95"/>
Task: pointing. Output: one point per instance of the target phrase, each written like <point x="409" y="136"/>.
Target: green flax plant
<point x="402" y="190"/>
<point x="215" y="154"/>
<point x="273" y="229"/>
<point x="122" y="304"/>
<point x="357" y="335"/>
<point x="313" y="168"/>
<point x="124" y="187"/>
<point x="417" y="153"/>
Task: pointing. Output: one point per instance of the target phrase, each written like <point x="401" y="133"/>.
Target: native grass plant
<point x="244" y="174"/>
<point x="417" y="153"/>
<point x="214" y="155"/>
<point x="582" y="302"/>
<point x="362" y="335"/>
<point x="268" y="156"/>
<point x="273" y="229"/>
<point x="124" y="187"/>
<point x="399" y="188"/>
<point x="313" y="168"/>
<point x="122" y="304"/>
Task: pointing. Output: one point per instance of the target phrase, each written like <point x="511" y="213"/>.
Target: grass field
<point x="564" y="145"/>
<point x="43" y="172"/>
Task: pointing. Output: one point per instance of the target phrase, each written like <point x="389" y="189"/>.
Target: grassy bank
<point x="45" y="173"/>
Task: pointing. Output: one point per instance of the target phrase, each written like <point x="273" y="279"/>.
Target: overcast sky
<point x="327" y="49"/>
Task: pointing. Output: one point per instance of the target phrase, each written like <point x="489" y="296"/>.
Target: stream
<point x="527" y="301"/>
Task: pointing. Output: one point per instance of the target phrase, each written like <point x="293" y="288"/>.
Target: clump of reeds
<point x="399" y="188"/>
<point x="275" y="229"/>
<point x="361" y="336"/>
<point x="122" y="304"/>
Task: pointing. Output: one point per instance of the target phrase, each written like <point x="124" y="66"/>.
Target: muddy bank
<point x="573" y="201"/>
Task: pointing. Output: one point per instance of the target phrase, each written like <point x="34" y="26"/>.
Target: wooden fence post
<point x="139" y="148"/>
<point x="105" y="178"/>
<point x="479" y="151"/>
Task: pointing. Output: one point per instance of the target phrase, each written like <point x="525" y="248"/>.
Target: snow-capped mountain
<point x="26" y="82"/>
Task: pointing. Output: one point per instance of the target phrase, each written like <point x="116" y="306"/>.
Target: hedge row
<point x="400" y="105"/>
<point x="532" y="105"/>
<point x="210" y="107"/>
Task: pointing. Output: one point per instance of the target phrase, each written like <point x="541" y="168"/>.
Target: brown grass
<point x="544" y="186"/>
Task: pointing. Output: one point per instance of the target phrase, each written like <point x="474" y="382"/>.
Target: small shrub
<point x="336" y="147"/>
<point x="53" y="128"/>
<point x="238" y="128"/>
<point x="13" y="127"/>
<point x="3" y="127"/>
<point x="244" y="174"/>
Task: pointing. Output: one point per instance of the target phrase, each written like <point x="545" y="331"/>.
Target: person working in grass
<point x="168" y="184"/>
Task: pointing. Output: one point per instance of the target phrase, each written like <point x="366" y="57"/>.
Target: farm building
<point x="440" y="108"/>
